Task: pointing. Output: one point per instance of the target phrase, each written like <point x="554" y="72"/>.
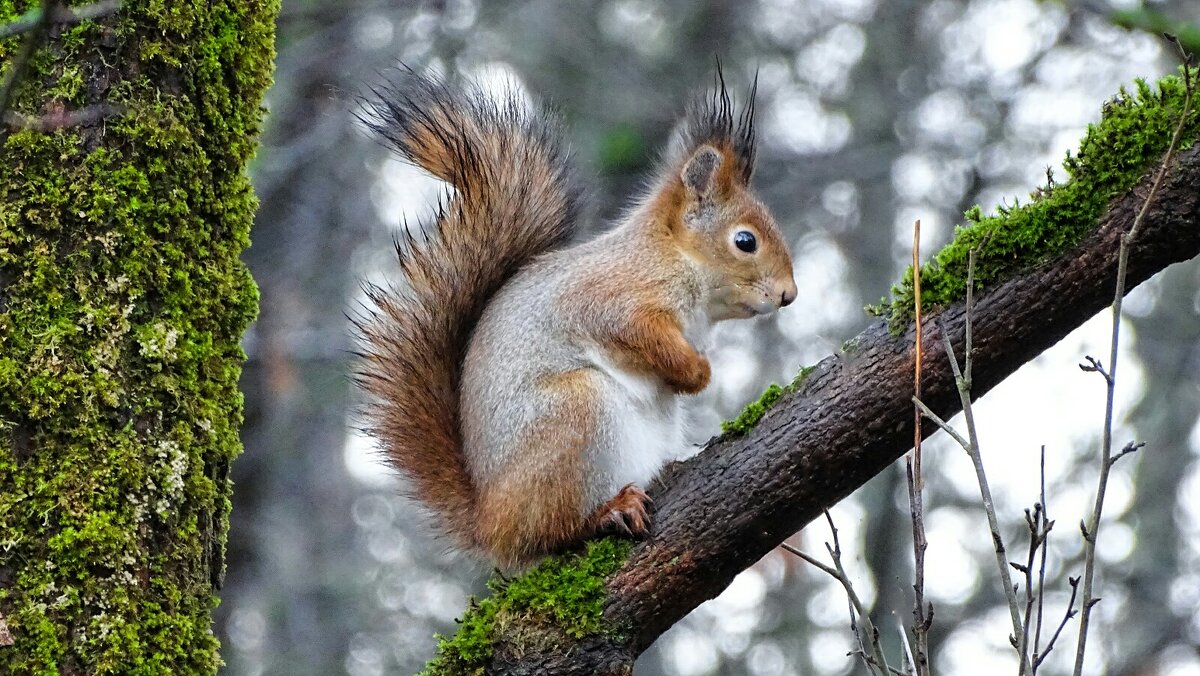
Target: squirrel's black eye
<point x="746" y="241"/>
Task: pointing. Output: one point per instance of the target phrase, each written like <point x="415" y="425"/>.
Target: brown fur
<point x="525" y="515"/>
<point x="516" y="198"/>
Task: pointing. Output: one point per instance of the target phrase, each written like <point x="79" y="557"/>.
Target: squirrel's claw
<point x="625" y="513"/>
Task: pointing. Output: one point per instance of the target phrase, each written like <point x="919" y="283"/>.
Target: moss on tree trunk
<point x="122" y="303"/>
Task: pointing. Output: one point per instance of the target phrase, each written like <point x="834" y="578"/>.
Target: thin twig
<point x="1094" y="366"/>
<point x="973" y="450"/>
<point x="1039" y="658"/>
<point x="1033" y="520"/>
<point x="811" y="560"/>
<point x="16" y="71"/>
<point x="922" y="612"/>
<point x="1130" y="447"/>
<point x="945" y="426"/>
<point x="916" y="251"/>
<point x="60" y="15"/>
<point x="874" y="660"/>
<point x="911" y="664"/>
<point x="964" y="381"/>
<point x="1041" y="591"/>
<point x="1106" y="457"/>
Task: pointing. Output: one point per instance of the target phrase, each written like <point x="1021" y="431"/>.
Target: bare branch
<point x="1129" y="448"/>
<point x="812" y="561"/>
<point x="1106" y="458"/>
<point x="875" y="659"/>
<point x="1038" y="659"/>
<point x="945" y="426"/>
<point x="1094" y="366"/>
<point x="973" y="450"/>
<point x="916" y="482"/>
<point x="1048" y="525"/>
<point x="1033" y="520"/>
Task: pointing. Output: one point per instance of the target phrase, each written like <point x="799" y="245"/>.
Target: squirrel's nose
<point x="788" y="293"/>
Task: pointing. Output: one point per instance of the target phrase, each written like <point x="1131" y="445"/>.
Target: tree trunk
<point x="122" y="304"/>
<point x="852" y="415"/>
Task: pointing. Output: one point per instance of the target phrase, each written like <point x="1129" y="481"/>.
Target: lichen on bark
<point x="122" y="305"/>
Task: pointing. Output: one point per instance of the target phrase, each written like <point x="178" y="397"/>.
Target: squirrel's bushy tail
<point x="514" y="197"/>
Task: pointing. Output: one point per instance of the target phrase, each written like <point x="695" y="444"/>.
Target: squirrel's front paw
<point x="624" y="514"/>
<point x="694" y="378"/>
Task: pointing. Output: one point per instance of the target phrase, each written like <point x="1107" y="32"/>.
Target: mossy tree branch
<point x="122" y="305"/>
<point x="826" y="435"/>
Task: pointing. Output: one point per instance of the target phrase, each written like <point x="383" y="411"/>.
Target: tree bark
<point x="852" y="416"/>
<point x="122" y="304"/>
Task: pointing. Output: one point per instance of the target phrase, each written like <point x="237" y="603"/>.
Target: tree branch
<point x="1110" y="377"/>
<point x="849" y="419"/>
<point x="868" y="636"/>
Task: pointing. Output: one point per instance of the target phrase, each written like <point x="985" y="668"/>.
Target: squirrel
<point x="529" y="390"/>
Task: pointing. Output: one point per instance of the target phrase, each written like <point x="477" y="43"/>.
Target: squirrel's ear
<point x="700" y="173"/>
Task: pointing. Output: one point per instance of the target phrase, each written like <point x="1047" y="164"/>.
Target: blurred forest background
<point x="872" y="113"/>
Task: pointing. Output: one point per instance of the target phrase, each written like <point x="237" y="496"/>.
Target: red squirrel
<point x="529" y="390"/>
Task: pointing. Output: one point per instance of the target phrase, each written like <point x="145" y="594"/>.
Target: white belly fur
<point x="644" y="426"/>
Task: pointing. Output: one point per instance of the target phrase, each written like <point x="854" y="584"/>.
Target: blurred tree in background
<point x="872" y="114"/>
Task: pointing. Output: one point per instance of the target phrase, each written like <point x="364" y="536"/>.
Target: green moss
<point x="564" y="595"/>
<point x="755" y="410"/>
<point x="1130" y="140"/>
<point x="122" y="305"/>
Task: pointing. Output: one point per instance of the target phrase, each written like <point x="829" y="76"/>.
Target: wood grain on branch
<point x="851" y="417"/>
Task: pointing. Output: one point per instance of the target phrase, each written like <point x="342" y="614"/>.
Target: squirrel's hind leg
<point x="536" y="503"/>
<point x="544" y="498"/>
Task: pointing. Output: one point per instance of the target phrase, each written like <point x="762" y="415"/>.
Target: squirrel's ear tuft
<point x="711" y="121"/>
<point x="700" y="173"/>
